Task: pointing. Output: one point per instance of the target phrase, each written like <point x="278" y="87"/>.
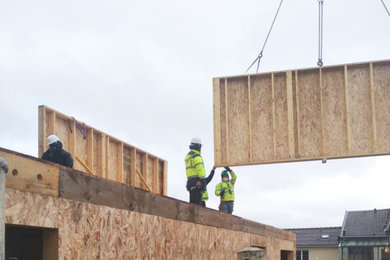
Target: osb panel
<point x="261" y="118"/>
<point x="141" y="169"/>
<point x="381" y="80"/>
<point x="97" y="154"/>
<point x="360" y="116"/>
<point x="238" y="120"/>
<point x="63" y="132"/>
<point x="149" y="172"/>
<point x="281" y="127"/>
<point x="127" y="165"/>
<point x="333" y="96"/>
<point x="309" y="114"/>
<point x="88" y="231"/>
<point x="112" y="170"/>
<point x="332" y="112"/>
<point x="81" y="149"/>
<point x="161" y="177"/>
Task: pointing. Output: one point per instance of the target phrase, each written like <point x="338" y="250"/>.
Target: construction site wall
<point x="101" y="219"/>
<point x="308" y="114"/>
<point x="102" y="155"/>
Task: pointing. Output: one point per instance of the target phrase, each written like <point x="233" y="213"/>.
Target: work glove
<point x="222" y="192"/>
<point x="228" y="169"/>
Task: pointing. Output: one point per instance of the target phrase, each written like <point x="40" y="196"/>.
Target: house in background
<point x="317" y="243"/>
<point x="365" y="235"/>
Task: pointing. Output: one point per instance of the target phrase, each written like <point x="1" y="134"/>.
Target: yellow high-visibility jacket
<point x="194" y="165"/>
<point x="228" y="186"/>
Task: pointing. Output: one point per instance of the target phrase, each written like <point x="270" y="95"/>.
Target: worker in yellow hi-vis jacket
<point x="195" y="172"/>
<point x="225" y="190"/>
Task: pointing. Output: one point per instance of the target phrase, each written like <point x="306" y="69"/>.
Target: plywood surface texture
<point x="309" y="114"/>
<point x="104" y="155"/>
<point x="90" y="231"/>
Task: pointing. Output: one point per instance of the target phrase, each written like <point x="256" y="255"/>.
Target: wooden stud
<point x="373" y="112"/>
<point x="290" y="114"/>
<point x="217" y="122"/>
<point x="145" y="167"/>
<point x="347" y="109"/>
<point x="41" y="130"/>
<point x="250" y="120"/>
<point x="133" y="166"/>
<point x="155" y="176"/>
<point x="72" y="138"/>
<point x="107" y="156"/>
<point x="273" y="113"/>
<point x="322" y="118"/>
<point x="165" y="179"/>
<point x="227" y="122"/>
<point x="120" y="164"/>
<point x="298" y="113"/>
<point x="90" y="148"/>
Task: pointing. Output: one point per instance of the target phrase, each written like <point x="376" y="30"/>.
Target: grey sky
<point x="142" y="71"/>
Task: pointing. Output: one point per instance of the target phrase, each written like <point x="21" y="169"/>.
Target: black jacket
<point x="58" y="155"/>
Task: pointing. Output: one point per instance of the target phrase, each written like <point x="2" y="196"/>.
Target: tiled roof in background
<point x="365" y="223"/>
<point x="327" y="236"/>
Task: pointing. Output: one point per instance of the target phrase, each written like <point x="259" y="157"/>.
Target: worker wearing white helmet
<point x="56" y="153"/>
<point x="195" y="171"/>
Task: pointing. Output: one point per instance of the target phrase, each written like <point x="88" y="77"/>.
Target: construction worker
<point x="205" y="195"/>
<point x="56" y="154"/>
<point x="225" y="190"/>
<point x="195" y="171"/>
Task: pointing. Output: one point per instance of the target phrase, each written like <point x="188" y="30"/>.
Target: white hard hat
<point x="196" y="140"/>
<point x="52" y="139"/>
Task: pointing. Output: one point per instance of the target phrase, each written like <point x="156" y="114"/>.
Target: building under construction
<point x="113" y="204"/>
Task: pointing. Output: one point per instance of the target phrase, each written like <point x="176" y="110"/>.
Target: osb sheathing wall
<point x="102" y="219"/>
<point x="103" y="155"/>
<point x="318" y="113"/>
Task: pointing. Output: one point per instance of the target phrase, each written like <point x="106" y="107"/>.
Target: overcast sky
<point x="142" y="71"/>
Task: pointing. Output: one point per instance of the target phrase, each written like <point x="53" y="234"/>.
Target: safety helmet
<point x="196" y="140"/>
<point x="224" y="173"/>
<point x="52" y="139"/>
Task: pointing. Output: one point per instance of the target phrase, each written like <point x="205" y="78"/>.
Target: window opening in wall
<point x="26" y="242"/>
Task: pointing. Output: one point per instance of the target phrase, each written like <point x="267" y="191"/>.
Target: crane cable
<point x="320" y="31"/>
<point x="258" y="58"/>
<point x="387" y="10"/>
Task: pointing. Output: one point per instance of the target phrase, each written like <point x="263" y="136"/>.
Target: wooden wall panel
<point x="309" y="114"/>
<point x="103" y="154"/>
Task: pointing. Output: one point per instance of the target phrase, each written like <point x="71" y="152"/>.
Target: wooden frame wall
<point x="309" y="114"/>
<point x="100" y="154"/>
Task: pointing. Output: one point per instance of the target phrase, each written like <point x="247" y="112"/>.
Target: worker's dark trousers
<point x="196" y="196"/>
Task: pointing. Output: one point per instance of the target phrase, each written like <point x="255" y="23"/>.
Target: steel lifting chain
<point x="258" y="58"/>
<point x="387" y="10"/>
<point x="320" y="30"/>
